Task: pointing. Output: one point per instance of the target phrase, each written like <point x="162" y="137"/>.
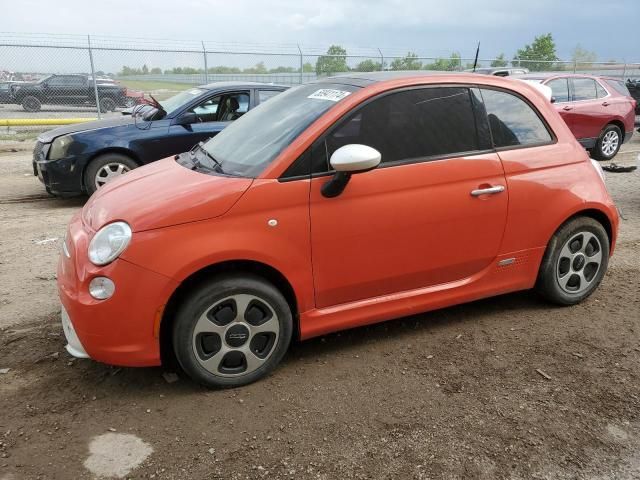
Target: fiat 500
<point x="336" y="204"/>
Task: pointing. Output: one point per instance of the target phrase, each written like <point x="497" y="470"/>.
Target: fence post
<point x="301" y="63"/>
<point x="206" y="68"/>
<point x="575" y="65"/>
<point x="93" y="76"/>
<point x="381" y="60"/>
<point x="624" y="71"/>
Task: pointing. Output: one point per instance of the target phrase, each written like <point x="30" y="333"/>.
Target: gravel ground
<point x="504" y="388"/>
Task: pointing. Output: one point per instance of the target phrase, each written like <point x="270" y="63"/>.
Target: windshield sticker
<point x="329" y="94"/>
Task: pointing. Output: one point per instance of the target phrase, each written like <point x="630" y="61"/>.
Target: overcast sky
<point x="607" y="27"/>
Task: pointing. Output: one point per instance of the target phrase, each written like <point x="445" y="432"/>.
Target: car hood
<point x="162" y="194"/>
<point x="49" y="136"/>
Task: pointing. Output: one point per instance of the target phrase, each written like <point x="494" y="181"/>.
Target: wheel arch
<point x="618" y="123"/>
<point x="253" y="267"/>
<point x="598" y="215"/>
<point x="121" y="150"/>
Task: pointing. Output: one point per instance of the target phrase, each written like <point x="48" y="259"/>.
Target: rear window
<point x="620" y="87"/>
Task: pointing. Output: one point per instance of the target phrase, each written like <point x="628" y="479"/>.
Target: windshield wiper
<point x="200" y="147"/>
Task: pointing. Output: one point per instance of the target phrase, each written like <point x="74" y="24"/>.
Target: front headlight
<point x="110" y="241"/>
<point x="59" y="147"/>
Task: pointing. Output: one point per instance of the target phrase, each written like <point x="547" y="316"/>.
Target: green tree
<point x="307" y="67"/>
<point x="408" y="62"/>
<point x="368" y="66"/>
<point x="539" y="55"/>
<point x="155" y="71"/>
<point x="583" y="58"/>
<point x="334" y="61"/>
<point x="500" y="61"/>
<point x="445" y="64"/>
<point x="145" y="69"/>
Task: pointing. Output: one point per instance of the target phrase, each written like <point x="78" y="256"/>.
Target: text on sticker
<point x="329" y="94"/>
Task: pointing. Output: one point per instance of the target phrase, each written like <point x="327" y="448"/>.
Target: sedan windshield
<point x="250" y="143"/>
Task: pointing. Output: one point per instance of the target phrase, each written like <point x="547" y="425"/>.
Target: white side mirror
<point x="355" y="158"/>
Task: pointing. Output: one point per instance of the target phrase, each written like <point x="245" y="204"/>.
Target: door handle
<point x="487" y="191"/>
<point x="605" y="104"/>
<point x="567" y="108"/>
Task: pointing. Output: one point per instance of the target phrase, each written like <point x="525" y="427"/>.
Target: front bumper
<point x="60" y="177"/>
<point x="74" y="346"/>
<point x="123" y="329"/>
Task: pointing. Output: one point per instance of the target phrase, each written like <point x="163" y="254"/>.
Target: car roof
<point x="364" y="79"/>
<point x="236" y="84"/>
<point x="546" y="75"/>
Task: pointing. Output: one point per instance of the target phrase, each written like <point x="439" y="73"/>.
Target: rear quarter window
<point x="513" y="122"/>
<point x="620" y="87"/>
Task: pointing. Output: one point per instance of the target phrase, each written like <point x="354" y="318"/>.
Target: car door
<point x="418" y="219"/>
<point x="586" y="115"/>
<point x="212" y="115"/>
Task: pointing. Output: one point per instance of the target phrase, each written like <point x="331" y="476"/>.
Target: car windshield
<point x="249" y="144"/>
<point x="45" y="79"/>
<point x="173" y="103"/>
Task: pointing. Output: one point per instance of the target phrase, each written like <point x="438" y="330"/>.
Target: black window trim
<point x="434" y="158"/>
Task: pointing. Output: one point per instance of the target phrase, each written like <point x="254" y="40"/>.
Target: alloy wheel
<point x="108" y="172"/>
<point x="236" y="335"/>
<point x="610" y="143"/>
<point x="579" y="262"/>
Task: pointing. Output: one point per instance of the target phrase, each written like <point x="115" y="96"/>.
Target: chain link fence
<point x="72" y="77"/>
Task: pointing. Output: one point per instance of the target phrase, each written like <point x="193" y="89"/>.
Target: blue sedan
<point x="80" y="158"/>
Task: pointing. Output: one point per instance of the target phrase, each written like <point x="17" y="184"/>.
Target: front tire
<point x="232" y="331"/>
<point x="608" y="143"/>
<point x="106" y="168"/>
<point x="575" y="262"/>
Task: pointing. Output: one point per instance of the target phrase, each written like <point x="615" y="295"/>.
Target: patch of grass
<point x="149" y="85"/>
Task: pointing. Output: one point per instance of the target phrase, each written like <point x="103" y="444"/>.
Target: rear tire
<point x="232" y="330"/>
<point x="105" y="168"/>
<point x="608" y="143"/>
<point x="31" y="104"/>
<point x="107" y="104"/>
<point x="575" y="262"/>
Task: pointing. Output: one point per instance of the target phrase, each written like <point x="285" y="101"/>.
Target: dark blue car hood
<point x="83" y="127"/>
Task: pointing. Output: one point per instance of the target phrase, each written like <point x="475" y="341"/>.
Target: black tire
<point x="207" y="297"/>
<point x="551" y="269"/>
<point x="107" y="104"/>
<point x="600" y="151"/>
<point x="102" y="161"/>
<point x="31" y="104"/>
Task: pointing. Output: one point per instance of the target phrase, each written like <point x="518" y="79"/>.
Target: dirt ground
<point x="452" y="394"/>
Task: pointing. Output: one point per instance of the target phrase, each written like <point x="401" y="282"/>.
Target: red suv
<point x="599" y="110"/>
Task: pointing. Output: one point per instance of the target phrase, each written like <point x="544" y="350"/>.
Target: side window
<point x="583" y="89"/>
<point x="411" y="124"/>
<point x="57" y="81"/>
<point x="600" y="91"/>
<point x="233" y="106"/>
<point x="559" y="89"/>
<point x="207" y="110"/>
<point x="512" y="121"/>
<point x="222" y="108"/>
<point x="264" y="95"/>
<point x="620" y="86"/>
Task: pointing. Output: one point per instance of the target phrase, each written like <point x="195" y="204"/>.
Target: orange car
<point x="336" y="204"/>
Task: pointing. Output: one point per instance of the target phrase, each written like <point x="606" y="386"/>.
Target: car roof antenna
<point x="475" y="62"/>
